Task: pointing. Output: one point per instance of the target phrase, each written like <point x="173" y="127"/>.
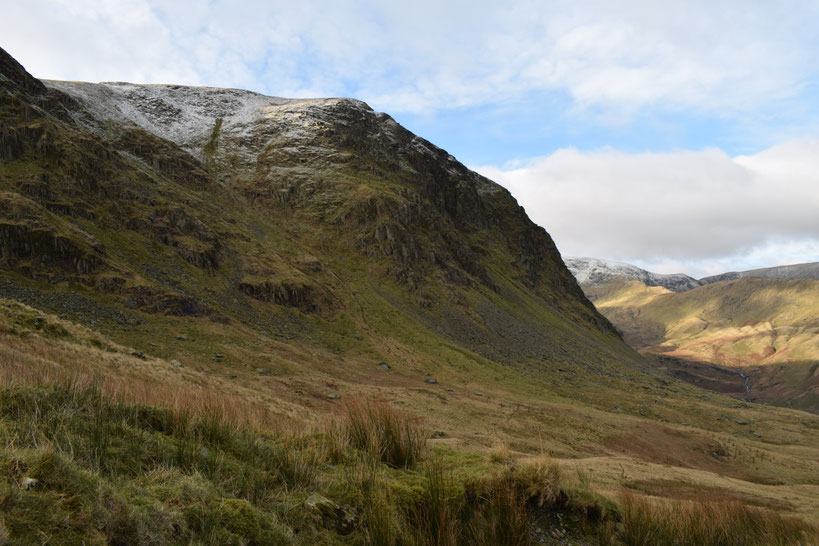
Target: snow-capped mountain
<point x="593" y="271"/>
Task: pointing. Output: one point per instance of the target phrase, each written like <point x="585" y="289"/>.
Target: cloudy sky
<point x="680" y="136"/>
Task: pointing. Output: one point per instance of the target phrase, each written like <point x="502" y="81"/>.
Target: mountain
<point x="593" y="271"/>
<point x="239" y="319"/>
<point x="791" y="272"/>
<point x="763" y="323"/>
<point x="767" y="328"/>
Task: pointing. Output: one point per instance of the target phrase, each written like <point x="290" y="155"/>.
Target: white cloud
<point x="698" y="212"/>
<point x="722" y="57"/>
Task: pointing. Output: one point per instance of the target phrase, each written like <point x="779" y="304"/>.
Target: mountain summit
<point x="594" y="271"/>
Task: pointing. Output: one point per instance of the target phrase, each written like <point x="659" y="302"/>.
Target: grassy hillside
<point x="768" y="328"/>
<point x="103" y="444"/>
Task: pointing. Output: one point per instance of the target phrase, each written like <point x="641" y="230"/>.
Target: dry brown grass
<point x="708" y="521"/>
<point x="385" y="433"/>
<point x="128" y="379"/>
<point x="500" y="454"/>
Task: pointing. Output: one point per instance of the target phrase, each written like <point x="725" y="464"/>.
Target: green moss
<point x="240" y="518"/>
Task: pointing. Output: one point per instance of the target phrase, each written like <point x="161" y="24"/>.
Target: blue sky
<point x="680" y="136"/>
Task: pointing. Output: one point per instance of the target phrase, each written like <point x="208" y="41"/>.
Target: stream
<point x="747" y="386"/>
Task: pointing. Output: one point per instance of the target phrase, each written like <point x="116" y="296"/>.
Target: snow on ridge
<point x="597" y="271"/>
<point x="185" y="115"/>
<point x="182" y="114"/>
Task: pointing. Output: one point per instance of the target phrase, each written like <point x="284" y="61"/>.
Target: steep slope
<point x="327" y="174"/>
<point x="593" y="272"/>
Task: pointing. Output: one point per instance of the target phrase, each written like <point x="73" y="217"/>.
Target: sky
<point x="678" y="136"/>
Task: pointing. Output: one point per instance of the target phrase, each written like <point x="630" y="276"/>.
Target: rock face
<point x="190" y="201"/>
<point x="593" y="271"/>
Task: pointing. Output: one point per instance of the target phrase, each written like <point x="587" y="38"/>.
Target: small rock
<point x="384" y="367"/>
<point x="333" y="396"/>
<point x="333" y="516"/>
<point x="450" y="390"/>
<point x="478" y="394"/>
<point x="138" y="354"/>
<point x="28" y="483"/>
<point x="438" y="434"/>
<point x="742" y="422"/>
<point x="431" y="380"/>
<point x="203" y="452"/>
<point x="182" y="337"/>
<point x="176" y="363"/>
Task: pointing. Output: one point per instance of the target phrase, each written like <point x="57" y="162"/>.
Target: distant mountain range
<point x="763" y="323"/>
<point x="595" y="272"/>
<point x="791" y="272"/>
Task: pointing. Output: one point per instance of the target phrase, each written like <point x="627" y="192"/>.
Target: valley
<point x="239" y="319"/>
<point x="733" y="329"/>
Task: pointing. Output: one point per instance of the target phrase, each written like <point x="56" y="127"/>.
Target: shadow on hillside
<point x="792" y="385"/>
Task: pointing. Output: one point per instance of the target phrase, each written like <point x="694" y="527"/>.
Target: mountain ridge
<point x="332" y="165"/>
<point x="597" y="271"/>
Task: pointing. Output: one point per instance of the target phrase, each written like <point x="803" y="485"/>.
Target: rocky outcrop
<point x="176" y="227"/>
<point x="29" y="232"/>
<point x="299" y="295"/>
<point x="162" y="156"/>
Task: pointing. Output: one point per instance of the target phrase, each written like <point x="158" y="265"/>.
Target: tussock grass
<point x="708" y="521"/>
<point x="500" y="454"/>
<point x="126" y="379"/>
<point x="140" y="474"/>
<point x="135" y="474"/>
<point x="385" y="433"/>
<point x="437" y="518"/>
<point x="497" y="508"/>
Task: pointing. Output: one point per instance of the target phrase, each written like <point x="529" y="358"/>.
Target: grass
<point x="385" y="433"/>
<point x="708" y="521"/>
<point x="108" y="471"/>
